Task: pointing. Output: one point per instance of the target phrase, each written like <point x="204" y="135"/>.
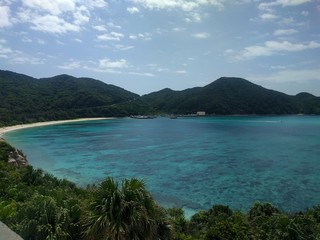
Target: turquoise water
<point x="189" y="162"/>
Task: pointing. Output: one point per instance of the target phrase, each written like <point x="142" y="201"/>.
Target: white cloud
<point x="267" y="6"/>
<point x="26" y="60"/>
<point x="292" y="2"/>
<point x="113" y="36"/>
<point x="5" y="16"/>
<point x="123" y="47"/>
<point x="181" y="71"/>
<point x="201" y="35"/>
<point x="100" y="28"/>
<point x="274" y="47"/>
<point x="53" y="7"/>
<point x="96" y="3"/>
<point x="57" y="16"/>
<point x="78" y="40"/>
<point x="53" y="24"/>
<point x="195" y="17"/>
<point x="112" y="25"/>
<point x="305" y="13"/>
<point x="4" y="51"/>
<point x="71" y="65"/>
<point x="287" y="21"/>
<point x="106" y="63"/>
<point x="143" y="36"/>
<point x="280" y="32"/>
<point x="133" y="10"/>
<point x="178" y="4"/>
<point x="143" y="74"/>
<point x="290" y="75"/>
<point x="178" y="29"/>
<point x="81" y="15"/>
<point x="268" y="16"/>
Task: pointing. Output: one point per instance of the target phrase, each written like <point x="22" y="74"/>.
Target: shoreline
<point x="4" y="130"/>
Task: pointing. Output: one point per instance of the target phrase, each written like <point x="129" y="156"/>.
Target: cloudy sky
<point x="147" y="45"/>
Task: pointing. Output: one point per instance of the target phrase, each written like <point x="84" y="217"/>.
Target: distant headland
<point x="25" y="99"/>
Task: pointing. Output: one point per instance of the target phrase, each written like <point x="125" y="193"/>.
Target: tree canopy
<point x="37" y="205"/>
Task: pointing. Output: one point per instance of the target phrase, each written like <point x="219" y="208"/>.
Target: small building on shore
<point x="201" y="113"/>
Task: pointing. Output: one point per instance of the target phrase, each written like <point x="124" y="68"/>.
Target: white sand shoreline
<point x="4" y="130"/>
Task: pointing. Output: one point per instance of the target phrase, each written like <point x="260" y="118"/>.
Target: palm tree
<point x="121" y="213"/>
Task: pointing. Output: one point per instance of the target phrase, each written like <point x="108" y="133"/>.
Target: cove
<point x="189" y="162"/>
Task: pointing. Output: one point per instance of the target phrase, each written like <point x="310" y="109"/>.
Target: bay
<point x="192" y="163"/>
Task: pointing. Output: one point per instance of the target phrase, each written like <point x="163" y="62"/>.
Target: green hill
<point x="231" y="96"/>
<point x="26" y="99"/>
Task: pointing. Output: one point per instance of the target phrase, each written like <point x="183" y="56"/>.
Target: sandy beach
<point x="39" y="124"/>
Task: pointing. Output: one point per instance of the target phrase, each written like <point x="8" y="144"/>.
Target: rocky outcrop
<point x="17" y="158"/>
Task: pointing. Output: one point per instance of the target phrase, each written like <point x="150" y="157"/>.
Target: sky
<point x="147" y="45"/>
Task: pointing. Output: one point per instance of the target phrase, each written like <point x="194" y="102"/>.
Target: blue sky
<point x="147" y="45"/>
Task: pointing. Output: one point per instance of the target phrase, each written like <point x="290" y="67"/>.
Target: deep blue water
<point x="189" y="162"/>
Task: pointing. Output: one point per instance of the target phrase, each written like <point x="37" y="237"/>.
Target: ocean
<point x="192" y="163"/>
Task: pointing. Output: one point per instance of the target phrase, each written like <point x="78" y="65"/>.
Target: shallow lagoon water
<point x="189" y="162"/>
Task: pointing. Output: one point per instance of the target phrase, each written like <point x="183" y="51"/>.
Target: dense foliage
<point x="24" y="99"/>
<point x="231" y="96"/>
<point x="38" y="206"/>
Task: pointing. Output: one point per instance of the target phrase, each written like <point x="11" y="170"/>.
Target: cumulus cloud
<point x="96" y="3"/>
<point x="143" y="74"/>
<point x="113" y="36"/>
<point x="281" y="32"/>
<point x="201" y="35"/>
<point x="143" y="36"/>
<point x="53" y="24"/>
<point x="18" y="57"/>
<point x="52" y="7"/>
<point x="100" y="28"/>
<point x="195" y="17"/>
<point x="5" y="16"/>
<point x="285" y="75"/>
<point x="273" y="47"/>
<point x="292" y="2"/>
<point x="267" y="6"/>
<point x="81" y="15"/>
<point x="4" y="51"/>
<point x="106" y="63"/>
<point x="71" y="65"/>
<point x="178" y="4"/>
<point x="268" y="16"/>
<point x="23" y="59"/>
<point x="59" y="16"/>
<point x="133" y="10"/>
<point x="181" y="71"/>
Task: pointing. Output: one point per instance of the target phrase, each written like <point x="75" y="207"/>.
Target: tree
<point x="126" y="212"/>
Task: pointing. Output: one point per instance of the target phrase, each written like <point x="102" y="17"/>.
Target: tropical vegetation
<point x="37" y="205"/>
<point x="25" y="99"/>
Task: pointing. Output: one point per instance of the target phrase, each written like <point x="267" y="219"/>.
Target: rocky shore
<point x="16" y="156"/>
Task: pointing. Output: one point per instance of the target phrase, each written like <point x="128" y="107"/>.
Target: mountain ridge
<point x="26" y="99"/>
<point x="230" y="96"/>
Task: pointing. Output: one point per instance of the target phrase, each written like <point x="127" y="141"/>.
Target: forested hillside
<point x="24" y="99"/>
<point x="231" y="96"/>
